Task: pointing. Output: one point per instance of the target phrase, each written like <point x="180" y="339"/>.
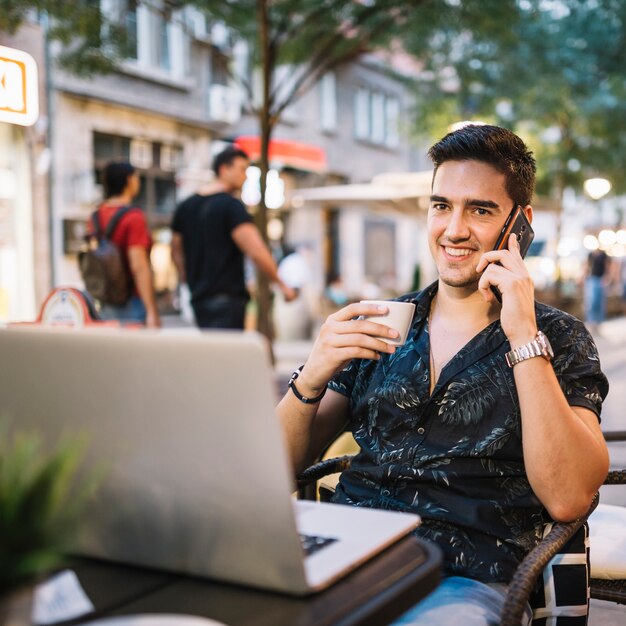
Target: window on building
<point x="124" y="14"/>
<point x="362" y="114"/>
<point x="109" y="147"/>
<point x="160" y="53"/>
<point x="392" y="132"/>
<point x="156" y="38"/>
<point x="376" y="117"/>
<point x="377" y="123"/>
<point x="219" y="69"/>
<point x="156" y="165"/>
<point x="328" y="103"/>
<point x="282" y="83"/>
<point x="129" y="13"/>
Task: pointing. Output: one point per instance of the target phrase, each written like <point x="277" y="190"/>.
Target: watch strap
<point x="537" y="347"/>
<point x="303" y="399"/>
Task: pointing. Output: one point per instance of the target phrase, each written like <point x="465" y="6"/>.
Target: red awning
<point x="302" y="156"/>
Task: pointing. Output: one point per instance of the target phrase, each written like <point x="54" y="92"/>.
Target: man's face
<point x="468" y="208"/>
<point x="234" y="175"/>
<point x="134" y="184"/>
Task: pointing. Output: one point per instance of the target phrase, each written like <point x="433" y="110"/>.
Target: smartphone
<point x="516" y="224"/>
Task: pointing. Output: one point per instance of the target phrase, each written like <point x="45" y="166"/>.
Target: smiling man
<point x="479" y="422"/>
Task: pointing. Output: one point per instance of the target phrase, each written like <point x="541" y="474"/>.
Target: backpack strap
<point x="95" y="222"/>
<point x="114" y="221"/>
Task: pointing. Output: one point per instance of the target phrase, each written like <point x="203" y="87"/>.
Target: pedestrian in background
<point x="293" y="320"/>
<point x="212" y="231"/>
<point x="132" y="236"/>
<point x="596" y="282"/>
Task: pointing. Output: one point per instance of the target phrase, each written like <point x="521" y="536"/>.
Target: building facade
<point x="24" y="160"/>
<point x="171" y="106"/>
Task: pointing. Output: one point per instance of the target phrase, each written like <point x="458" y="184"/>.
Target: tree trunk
<point x="264" y="296"/>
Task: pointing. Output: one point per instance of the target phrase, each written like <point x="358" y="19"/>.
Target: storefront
<point x="96" y="133"/>
<point x="19" y="109"/>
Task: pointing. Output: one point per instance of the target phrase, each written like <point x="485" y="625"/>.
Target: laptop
<point x="194" y="468"/>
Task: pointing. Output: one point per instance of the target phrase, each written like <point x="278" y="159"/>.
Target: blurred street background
<point x="339" y="176"/>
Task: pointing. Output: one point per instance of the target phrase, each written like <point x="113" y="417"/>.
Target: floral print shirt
<point x="455" y="457"/>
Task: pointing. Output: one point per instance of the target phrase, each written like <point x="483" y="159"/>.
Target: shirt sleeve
<point x="136" y="230"/>
<point x="237" y="214"/>
<point x="577" y="365"/>
<point x="343" y="382"/>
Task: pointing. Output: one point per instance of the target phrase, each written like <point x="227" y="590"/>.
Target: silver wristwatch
<point x="539" y="346"/>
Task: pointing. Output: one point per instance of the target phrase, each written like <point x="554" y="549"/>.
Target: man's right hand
<point x="344" y="337"/>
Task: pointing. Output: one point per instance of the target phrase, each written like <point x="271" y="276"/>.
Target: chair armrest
<point x="616" y="477"/>
<point x="523" y="582"/>
<point x="615" y="435"/>
<point x="525" y="577"/>
<point x="321" y="469"/>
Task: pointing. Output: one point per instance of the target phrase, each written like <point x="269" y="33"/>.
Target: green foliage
<point x="314" y="36"/>
<point x="554" y="73"/>
<point x="39" y="503"/>
<point x="89" y="43"/>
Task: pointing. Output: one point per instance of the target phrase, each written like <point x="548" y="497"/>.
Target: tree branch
<point x="321" y="63"/>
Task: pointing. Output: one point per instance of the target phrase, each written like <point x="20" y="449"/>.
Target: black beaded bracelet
<point x="292" y="385"/>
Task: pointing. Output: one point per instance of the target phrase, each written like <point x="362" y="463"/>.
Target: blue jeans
<point x="595" y="300"/>
<point x="133" y="311"/>
<point x="460" y="600"/>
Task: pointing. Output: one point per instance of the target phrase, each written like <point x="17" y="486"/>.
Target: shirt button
<point x="420" y="430"/>
<point x="385" y="492"/>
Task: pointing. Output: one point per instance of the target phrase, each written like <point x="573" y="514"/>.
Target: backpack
<point x="101" y="263"/>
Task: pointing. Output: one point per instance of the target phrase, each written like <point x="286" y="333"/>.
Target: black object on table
<point x="374" y="594"/>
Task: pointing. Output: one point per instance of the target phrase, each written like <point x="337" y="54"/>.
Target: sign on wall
<point x="19" y="98"/>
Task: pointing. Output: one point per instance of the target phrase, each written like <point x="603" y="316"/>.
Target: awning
<point x="284" y="152"/>
<point x="407" y="192"/>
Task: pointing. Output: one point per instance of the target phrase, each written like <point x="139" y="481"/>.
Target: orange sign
<point x="19" y="98"/>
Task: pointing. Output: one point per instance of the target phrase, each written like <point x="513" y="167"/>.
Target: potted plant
<point x="40" y="498"/>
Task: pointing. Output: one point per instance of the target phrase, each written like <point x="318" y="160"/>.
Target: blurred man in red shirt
<point x="131" y="235"/>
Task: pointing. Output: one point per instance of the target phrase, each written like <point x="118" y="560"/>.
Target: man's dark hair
<point x="115" y="177"/>
<point x="496" y="146"/>
<point x="226" y="157"/>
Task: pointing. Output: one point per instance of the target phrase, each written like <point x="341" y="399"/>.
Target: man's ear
<point x="528" y="212"/>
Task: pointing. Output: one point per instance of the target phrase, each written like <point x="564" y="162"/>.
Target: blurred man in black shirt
<point x="212" y="231"/>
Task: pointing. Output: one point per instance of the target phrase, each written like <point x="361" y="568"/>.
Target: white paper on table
<point x="60" y="598"/>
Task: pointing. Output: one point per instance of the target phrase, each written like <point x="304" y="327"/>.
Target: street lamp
<point x="596" y="188"/>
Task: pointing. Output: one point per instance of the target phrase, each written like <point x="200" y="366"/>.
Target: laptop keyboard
<point x="311" y="544"/>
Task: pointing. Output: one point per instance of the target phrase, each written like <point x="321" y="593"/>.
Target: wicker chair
<point x="525" y="578"/>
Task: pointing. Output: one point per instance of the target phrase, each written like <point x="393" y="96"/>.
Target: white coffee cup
<point x="399" y="317"/>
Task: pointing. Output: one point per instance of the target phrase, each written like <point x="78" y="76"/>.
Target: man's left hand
<point x="505" y="269"/>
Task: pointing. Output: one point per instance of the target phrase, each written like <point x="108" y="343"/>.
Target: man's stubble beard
<point x="461" y="282"/>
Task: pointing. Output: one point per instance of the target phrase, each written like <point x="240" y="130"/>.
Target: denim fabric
<point x="459" y="600"/>
<point x="220" y="312"/>
<point x="133" y="311"/>
<point x="595" y="300"/>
